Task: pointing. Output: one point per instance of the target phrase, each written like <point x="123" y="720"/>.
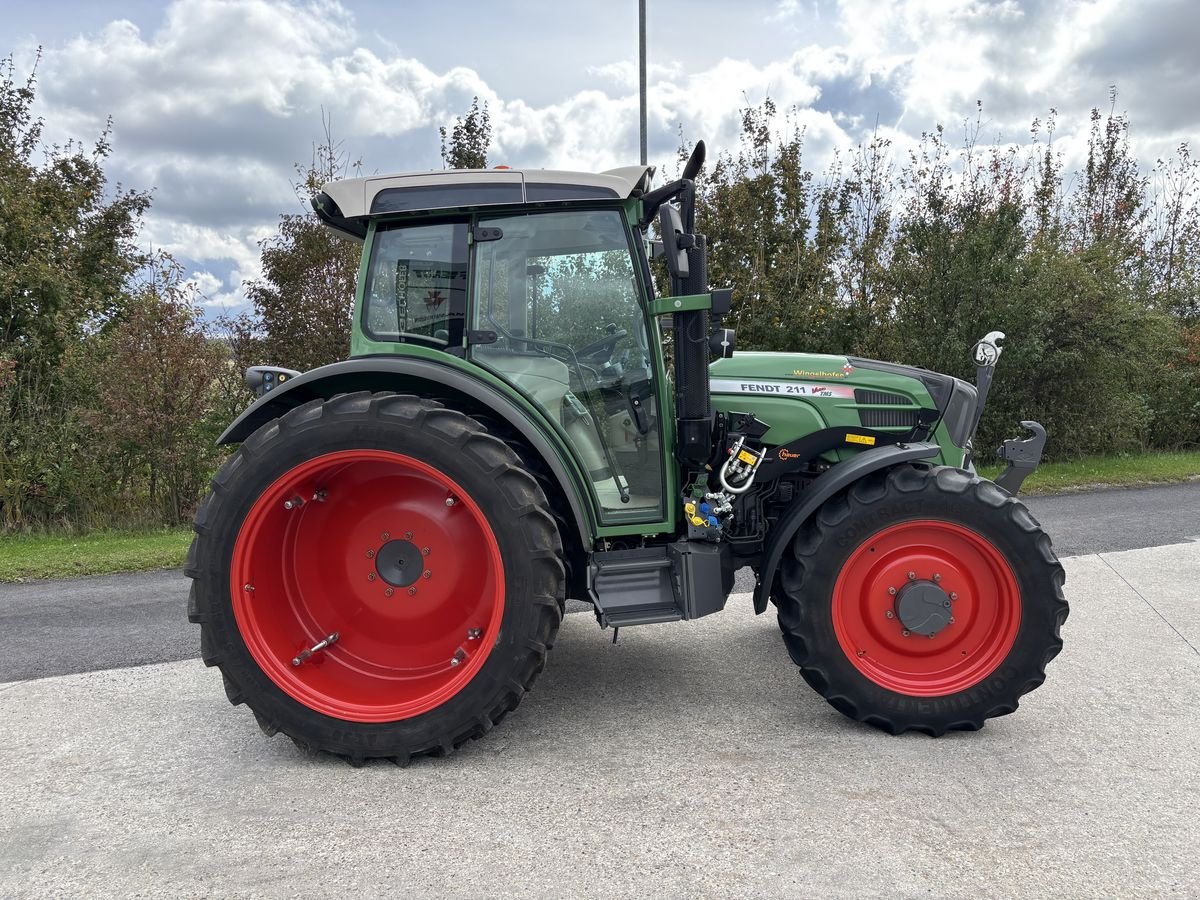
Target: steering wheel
<point x="602" y="349"/>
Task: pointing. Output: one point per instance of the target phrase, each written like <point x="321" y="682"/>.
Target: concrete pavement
<point x="688" y="760"/>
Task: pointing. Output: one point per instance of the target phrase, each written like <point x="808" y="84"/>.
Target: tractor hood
<point x="798" y="392"/>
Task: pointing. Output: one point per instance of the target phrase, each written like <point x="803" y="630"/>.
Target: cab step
<point x="664" y="583"/>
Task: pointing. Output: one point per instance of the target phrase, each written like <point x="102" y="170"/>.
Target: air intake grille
<point x="885" y="418"/>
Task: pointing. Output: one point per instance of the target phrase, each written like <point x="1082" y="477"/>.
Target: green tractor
<point x="381" y="567"/>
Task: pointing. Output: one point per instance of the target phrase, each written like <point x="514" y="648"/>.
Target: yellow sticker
<point x="867" y="439"/>
<point x="747" y="457"/>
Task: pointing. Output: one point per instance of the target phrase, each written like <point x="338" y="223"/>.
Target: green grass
<point x="26" y="557"/>
<point x="1147" y="468"/>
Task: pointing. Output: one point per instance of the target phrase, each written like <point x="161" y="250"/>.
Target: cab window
<point x="416" y="287"/>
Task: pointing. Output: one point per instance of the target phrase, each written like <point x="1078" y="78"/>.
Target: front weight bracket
<point x="1022" y="456"/>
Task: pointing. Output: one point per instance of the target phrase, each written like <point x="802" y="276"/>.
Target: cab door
<point x="560" y="292"/>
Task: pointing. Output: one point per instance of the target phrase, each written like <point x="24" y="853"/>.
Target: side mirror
<point x="670" y="227"/>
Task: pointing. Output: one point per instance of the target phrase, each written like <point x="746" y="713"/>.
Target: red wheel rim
<point x="977" y="580"/>
<point x="388" y="553"/>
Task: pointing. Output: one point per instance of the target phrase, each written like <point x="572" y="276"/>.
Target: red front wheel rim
<point x="387" y="553"/>
<point x="977" y="582"/>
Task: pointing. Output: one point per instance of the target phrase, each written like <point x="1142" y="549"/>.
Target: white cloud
<point x="214" y="103"/>
<point x="624" y="73"/>
<point x="205" y="283"/>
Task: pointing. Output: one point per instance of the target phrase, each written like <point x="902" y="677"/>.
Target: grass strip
<point x="25" y="557"/>
<point x="1160" y="467"/>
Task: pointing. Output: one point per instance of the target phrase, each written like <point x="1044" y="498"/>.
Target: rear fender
<point x="836" y="479"/>
<point x="417" y="376"/>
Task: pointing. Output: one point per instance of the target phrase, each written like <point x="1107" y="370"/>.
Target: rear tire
<point x="420" y="542"/>
<point x="945" y="538"/>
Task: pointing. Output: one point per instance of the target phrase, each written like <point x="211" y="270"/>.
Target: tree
<point x="304" y="300"/>
<point x="66" y="250"/>
<point x="66" y="245"/>
<point x="154" y="391"/>
<point x="468" y="141"/>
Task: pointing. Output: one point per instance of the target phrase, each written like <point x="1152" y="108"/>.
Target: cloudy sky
<point x="214" y="101"/>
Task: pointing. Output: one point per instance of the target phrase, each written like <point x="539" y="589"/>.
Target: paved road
<point x="689" y="760"/>
<point x="56" y="628"/>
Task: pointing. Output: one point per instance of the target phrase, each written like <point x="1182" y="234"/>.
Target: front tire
<point x="923" y="599"/>
<point x="376" y="576"/>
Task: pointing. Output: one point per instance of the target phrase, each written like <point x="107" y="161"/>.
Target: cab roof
<point x="347" y="205"/>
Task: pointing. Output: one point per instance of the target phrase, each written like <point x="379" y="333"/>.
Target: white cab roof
<point x="413" y="191"/>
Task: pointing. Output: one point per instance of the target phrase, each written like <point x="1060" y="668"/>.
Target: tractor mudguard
<point x="379" y="373"/>
<point x="839" y="477"/>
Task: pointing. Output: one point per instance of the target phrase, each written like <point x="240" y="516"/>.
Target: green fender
<point x="405" y="374"/>
<point x="836" y="479"/>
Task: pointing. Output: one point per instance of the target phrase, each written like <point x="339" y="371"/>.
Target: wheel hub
<point x="399" y="563"/>
<point x="923" y="608"/>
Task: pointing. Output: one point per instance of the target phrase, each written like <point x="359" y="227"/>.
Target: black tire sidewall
<point x="996" y="518"/>
<point x="281" y="446"/>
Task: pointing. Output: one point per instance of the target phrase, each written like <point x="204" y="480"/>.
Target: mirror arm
<point x="657" y="197"/>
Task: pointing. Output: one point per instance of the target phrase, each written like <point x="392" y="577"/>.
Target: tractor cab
<point x="539" y="278"/>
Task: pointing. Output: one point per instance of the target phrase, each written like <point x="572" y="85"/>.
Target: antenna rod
<point x="642" y="72"/>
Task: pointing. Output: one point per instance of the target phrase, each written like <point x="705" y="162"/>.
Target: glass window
<point x="417" y="284"/>
<point x="559" y="291"/>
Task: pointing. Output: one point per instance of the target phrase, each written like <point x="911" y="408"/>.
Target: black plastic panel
<point x="446" y="196"/>
<point x="546" y="192"/>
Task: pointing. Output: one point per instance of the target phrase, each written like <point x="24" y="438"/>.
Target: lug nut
<point x="408" y="535"/>
<point x="370" y="576"/>
<point x="912" y="576"/>
<point x="892" y="591"/>
<point x="904" y="633"/>
<point x="385" y="536"/>
<point x="952" y="620"/>
<point x="424" y="551"/>
<point x="890" y="614"/>
<point x="937" y="579"/>
<point x="426" y="574"/>
<point x="370" y="554"/>
<point x="412" y="592"/>
<point x="953" y="596"/>
<point x="388" y="592"/>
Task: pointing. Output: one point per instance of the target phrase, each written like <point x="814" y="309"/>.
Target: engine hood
<point x="831" y="390"/>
